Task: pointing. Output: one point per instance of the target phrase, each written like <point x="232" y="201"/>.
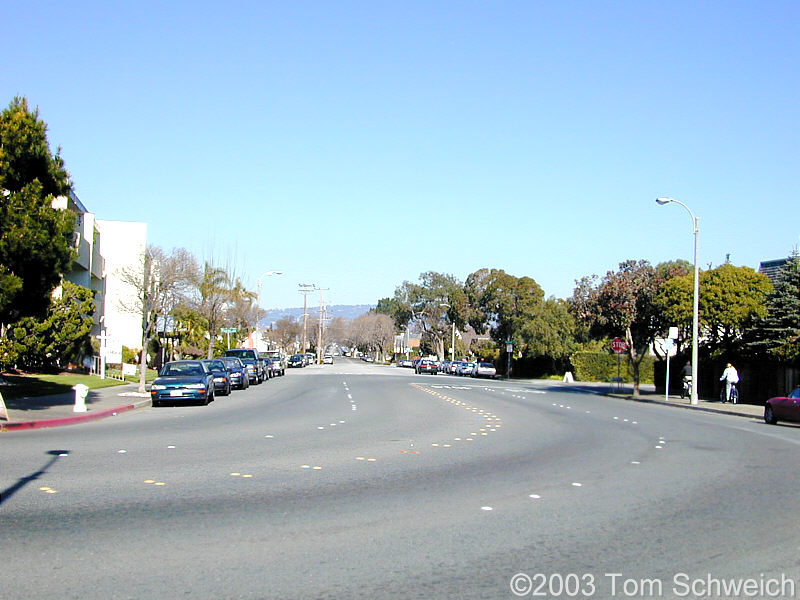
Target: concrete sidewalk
<point x="647" y="393"/>
<point x="57" y="410"/>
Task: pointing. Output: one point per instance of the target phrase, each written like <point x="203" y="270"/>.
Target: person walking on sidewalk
<point x="731" y="377"/>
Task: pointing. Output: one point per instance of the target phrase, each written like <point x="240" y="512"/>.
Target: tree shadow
<point x="23" y="481"/>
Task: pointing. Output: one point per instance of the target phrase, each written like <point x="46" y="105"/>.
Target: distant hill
<point x="346" y="311"/>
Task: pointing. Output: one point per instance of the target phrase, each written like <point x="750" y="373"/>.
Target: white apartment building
<point x="122" y="245"/>
<point x="105" y="249"/>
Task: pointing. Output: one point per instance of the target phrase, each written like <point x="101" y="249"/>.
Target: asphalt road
<point x="360" y="481"/>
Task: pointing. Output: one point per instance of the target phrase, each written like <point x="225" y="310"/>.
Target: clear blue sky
<point x="354" y="145"/>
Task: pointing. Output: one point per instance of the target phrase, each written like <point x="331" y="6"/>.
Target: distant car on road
<point x="327" y="359"/>
<point x="427" y="365"/>
<point x="181" y="381"/>
<point x="783" y="408"/>
<point x="297" y="361"/>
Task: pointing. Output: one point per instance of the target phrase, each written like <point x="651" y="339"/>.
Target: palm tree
<point x="215" y="292"/>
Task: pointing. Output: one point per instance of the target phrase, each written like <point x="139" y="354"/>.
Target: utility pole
<point x="305" y="289"/>
<point x="319" y="327"/>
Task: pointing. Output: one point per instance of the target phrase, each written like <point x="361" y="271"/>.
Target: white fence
<point x="112" y="372"/>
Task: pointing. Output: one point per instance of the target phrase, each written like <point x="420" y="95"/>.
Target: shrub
<point x="601" y="366"/>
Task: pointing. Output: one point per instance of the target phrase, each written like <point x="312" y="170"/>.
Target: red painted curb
<point x="17" y="425"/>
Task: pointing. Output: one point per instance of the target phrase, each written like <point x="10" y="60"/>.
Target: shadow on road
<point x="22" y="482"/>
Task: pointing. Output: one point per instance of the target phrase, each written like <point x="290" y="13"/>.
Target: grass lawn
<point x="31" y="385"/>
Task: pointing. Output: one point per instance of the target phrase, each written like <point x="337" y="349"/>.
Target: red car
<point x="783" y="408"/>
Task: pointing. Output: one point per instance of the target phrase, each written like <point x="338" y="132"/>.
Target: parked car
<point x="276" y="366"/>
<point x="405" y="362"/>
<point x="455" y="366"/>
<point x="297" y="361"/>
<point x="269" y="372"/>
<point x="252" y="354"/>
<point x="783" y="408"/>
<point x="236" y="372"/>
<point x="367" y="358"/>
<point x="327" y="359"/>
<point x="222" y="379"/>
<point x="253" y="370"/>
<point x="181" y="381"/>
<point x="278" y="359"/>
<point x="427" y="365"/>
<point x="483" y="369"/>
<point x="465" y="368"/>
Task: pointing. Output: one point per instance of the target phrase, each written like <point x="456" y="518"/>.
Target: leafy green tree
<point x="730" y="299"/>
<point x="63" y="335"/>
<point x="550" y="333"/>
<point x="622" y="304"/>
<point x="506" y="305"/>
<point x="433" y="305"/>
<point x="776" y="335"/>
<point x="35" y="238"/>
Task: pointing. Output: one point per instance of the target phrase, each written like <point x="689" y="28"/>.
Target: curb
<point x="62" y="421"/>
<point x="716" y="411"/>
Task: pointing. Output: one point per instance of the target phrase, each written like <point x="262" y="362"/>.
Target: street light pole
<point x="696" y="299"/>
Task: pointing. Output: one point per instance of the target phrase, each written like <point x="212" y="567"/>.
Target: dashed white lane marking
<point x="486" y="508"/>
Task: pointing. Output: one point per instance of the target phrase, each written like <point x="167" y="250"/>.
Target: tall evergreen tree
<point x="35" y="238"/>
<point x="777" y="335"/>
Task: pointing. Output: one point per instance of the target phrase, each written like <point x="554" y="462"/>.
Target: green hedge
<point x="601" y="366"/>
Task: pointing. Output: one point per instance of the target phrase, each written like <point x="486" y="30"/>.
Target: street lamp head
<point x="664" y="200"/>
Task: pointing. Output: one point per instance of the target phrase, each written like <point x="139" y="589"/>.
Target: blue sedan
<point x="182" y="381"/>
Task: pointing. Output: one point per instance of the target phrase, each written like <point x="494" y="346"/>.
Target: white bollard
<point x="81" y="391"/>
<point x="568" y="377"/>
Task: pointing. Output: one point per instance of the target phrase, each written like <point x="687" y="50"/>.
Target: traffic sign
<point x="229" y="330"/>
<point x="618" y="345"/>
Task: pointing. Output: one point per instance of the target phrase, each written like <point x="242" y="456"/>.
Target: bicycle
<point x="734" y="396"/>
<point x="686" y="390"/>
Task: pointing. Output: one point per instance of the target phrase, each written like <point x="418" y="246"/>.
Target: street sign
<point x="229" y="330"/>
<point x="509" y="346"/>
<point x="618" y="345"/>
